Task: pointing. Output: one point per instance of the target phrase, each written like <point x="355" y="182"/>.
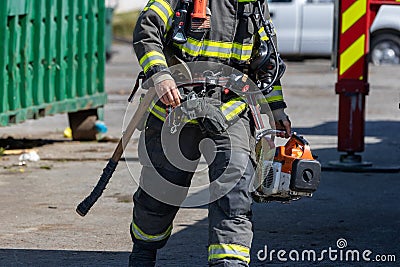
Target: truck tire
<point x="385" y="49"/>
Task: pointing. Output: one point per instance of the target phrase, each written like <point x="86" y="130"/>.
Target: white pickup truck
<point x="305" y="29"/>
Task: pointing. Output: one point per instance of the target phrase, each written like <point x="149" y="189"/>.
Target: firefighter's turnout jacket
<point x="230" y="40"/>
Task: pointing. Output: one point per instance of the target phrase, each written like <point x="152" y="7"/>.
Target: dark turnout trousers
<point x="169" y="161"/>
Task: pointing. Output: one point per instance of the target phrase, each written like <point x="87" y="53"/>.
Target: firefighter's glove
<point x="213" y="122"/>
<point x="281" y="121"/>
<point x="209" y="117"/>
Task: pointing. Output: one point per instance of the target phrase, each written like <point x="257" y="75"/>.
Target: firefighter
<point x="231" y="40"/>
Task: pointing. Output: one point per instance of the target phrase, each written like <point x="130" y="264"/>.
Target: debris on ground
<point x="68" y="133"/>
<point x="31" y="156"/>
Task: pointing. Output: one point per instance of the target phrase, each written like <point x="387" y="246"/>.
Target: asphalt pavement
<point x="352" y="220"/>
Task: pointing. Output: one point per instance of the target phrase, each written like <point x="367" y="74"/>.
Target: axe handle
<point x="137" y="117"/>
<point x="84" y="207"/>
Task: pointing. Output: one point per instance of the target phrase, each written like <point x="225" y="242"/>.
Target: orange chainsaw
<point x="289" y="174"/>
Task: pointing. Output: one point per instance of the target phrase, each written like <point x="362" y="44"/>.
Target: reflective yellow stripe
<point x="274" y="98"/>
<point x="236" y="112"/>
<point x="241" y="52"/>
<point x="208" y="45"/>
<point x="263" y="34"/>
<point x="230" y="110"/>
<point x="221" y="47"/>
<point x="155" y="62"/>
<point x="157" y="111"/>
<point x="140" y="235"/>
<point x="352" y="54"/>
<point x="244" y="47"/>
<point x="157" y="115"/>
<point x="189" y="47"/>
<point x="222" y="251"/>
<point x="229" y="103"/>
<point x="227" y="255"/>
<point x="353" y="14"/>
<point x="148" y="5"/>
<point x="161" y="113"/>
<point x="167" y="7"/>
<point x="162" y="8"/>
<point x="233" y="108"/>
<point x="218" y="44"/>
<point x="209" y="48"/>
<point x="246" y="1"/>
<point x="150" y="54"/>
<point x="275" y="95"/>
<point x="160" y="13"/>
<point x="152" y="58"/>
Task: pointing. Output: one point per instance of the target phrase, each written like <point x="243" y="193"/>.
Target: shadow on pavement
<point x="32" y="257"/>
<point x="383" y="150"/>
<point x="372" y="128"/>
<point x="11" y="143"/>
<point x="359" y="209"/>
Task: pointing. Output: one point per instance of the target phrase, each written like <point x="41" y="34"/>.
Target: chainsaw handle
<point x="298" y="142"/>
<point x="300" y="139"/>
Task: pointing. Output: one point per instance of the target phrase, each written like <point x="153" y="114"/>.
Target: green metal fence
<point x="52" y="57"/>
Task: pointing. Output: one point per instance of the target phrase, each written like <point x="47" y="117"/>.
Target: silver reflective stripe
<point x="209" y="48"/>
<point x="275" y="95"/>
<point x="222" y="251"/>
<point x="263" y="34"/>
<point x="152" y="58"/>
<point x="242" y="52"/>
<point x="277" y="90"/>
<point x="190" y="47"/>
<point x="233" y="108"/>
<point x="140" y="235"/>
<point x="157" y="111"/>
<point x="163" y="10"/>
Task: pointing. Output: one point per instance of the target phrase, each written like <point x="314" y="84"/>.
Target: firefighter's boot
<point x="141" y="257"/>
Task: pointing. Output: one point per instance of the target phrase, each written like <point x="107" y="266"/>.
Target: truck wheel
<point x="385" y="49"/>
<point x="82" y="124"/>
